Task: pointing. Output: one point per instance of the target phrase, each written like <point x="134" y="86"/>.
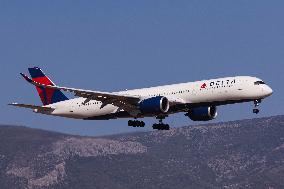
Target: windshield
<point x="259" y="83"/>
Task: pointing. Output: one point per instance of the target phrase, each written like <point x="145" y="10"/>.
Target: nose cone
<point x="268" y="91"/>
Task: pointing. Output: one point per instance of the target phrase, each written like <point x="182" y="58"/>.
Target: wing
<point x="125" y="102"/>
<point x="33" y="107"/>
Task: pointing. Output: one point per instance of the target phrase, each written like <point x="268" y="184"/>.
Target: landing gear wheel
<point x="130" y="123"/>
<point x="142" y="124"/>
<point x="155" y="126"/>
<point x="255" y="111"/>
<point x="166" y="127"/>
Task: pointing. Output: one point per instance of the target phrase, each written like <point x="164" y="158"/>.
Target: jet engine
<point x="202" y="113"/>
<point x="158" y="104"/>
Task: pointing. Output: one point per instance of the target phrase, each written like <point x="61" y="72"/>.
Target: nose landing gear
<point x="256" y="105"/>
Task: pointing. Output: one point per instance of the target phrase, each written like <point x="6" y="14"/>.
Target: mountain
<point x="238" y="154"/>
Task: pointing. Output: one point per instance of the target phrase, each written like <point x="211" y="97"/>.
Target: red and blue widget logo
<point x="203" y="86"/>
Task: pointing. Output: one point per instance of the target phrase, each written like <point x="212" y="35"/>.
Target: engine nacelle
<point x="158" y="104"/>
<point x="202" y="113"/>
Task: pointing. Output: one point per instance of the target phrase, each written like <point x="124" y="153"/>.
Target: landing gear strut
<point x="136" y="123"/>
<point x="256" y="105"/>
<point x="161" y="125"/>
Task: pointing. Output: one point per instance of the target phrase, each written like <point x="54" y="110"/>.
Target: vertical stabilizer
<point x="47" y="96"/>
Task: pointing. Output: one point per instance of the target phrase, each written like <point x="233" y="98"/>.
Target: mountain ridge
<point x="237" y="154"/>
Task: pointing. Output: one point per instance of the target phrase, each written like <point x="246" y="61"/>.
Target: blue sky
<point x="114" y="45"/>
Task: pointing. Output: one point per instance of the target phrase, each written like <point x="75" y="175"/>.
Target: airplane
<point x="198" y="100"/>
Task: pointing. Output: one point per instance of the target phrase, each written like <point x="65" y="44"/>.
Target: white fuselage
<point x="222" y="91"/>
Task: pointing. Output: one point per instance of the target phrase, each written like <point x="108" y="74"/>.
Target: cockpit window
<point x="259" y="83"/>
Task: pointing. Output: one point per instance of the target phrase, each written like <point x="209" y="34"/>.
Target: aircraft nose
<point x="268" y="91"/>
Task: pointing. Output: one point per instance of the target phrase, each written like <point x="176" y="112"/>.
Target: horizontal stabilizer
<point x="26" y="78"/>
<point x="34" y="107"/>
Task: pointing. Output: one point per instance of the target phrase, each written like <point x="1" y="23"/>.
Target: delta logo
<point x="203" y="86"/>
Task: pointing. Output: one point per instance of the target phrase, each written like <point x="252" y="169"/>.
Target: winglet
<point x="27" y="78"/>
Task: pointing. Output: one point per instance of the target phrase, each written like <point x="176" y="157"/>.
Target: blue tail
<point x="47" y="96"/>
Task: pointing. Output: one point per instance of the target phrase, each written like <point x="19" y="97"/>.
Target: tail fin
<point x="47" y="96"/>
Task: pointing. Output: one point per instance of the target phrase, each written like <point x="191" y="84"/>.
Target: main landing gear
<point x="256" y="105"/>
<point x="158" y="126"/>
<point x="136" y="123"/>
<point x="161" y="125"/>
